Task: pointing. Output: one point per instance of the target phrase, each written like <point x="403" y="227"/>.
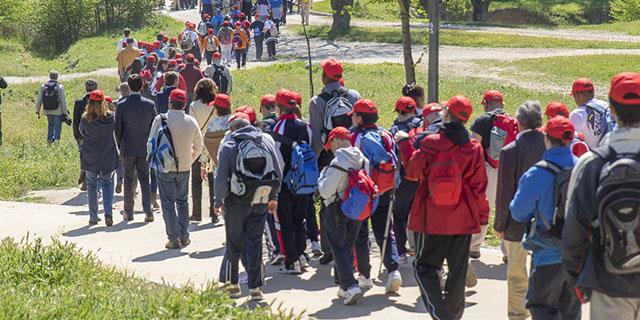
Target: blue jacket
<point x="536" y="192"/>
<point x="216" y="22"/>
<point x="162" y="99"/>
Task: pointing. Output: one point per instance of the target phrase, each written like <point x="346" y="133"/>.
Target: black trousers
<point x="324" y="243"/>
<point x="196" y="190"/>
<point x="341" y="235"/>
<point x="401" y="207"/>
<point x="140" y="165"/>
<point x="292" y="211"/>
<point x="550" y="296"/>
<point x="311" y="220"/>
<point x="259" y="46"/>
<point x="432" y="250"/>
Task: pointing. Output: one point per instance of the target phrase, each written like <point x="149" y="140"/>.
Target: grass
<point x="563" y="70"/>
<point x="58" y="281"/>
<point x="374" y="10"/>
<point x="462" y="38"/>
<point x="83" y="56"/>
<point x="630" y="28"/>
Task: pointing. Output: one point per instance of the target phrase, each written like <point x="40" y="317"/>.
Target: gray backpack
<point x="254" y="178"/>
<point x="618" y="205"/>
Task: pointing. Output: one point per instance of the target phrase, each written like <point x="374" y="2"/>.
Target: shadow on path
<point x="89" y="230"/>
<point x="160" y="256"/>
<point x="490" y="271"/>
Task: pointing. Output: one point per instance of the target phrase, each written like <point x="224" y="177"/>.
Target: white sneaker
<point x="394" y="281"/>
<point x="352" y="295"/>
<point x="403" y="259"/>
<point x="340" y="293"/>
<point x="316" y="250"/>
<point x="255" y="294"/>
<point x="295" y="269"/>
<point x="277" y="260"/>
<point x="365" y="283"/>
<point x="304" y="261"/>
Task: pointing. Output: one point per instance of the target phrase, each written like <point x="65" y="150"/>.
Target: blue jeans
<point x="174" y="195"/>
<point x="95" y="181"/>
<point x="54" y="127"/>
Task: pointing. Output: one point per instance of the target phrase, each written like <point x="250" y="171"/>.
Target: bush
<point x="625" y="10"/>
<point x="597" y="12"/>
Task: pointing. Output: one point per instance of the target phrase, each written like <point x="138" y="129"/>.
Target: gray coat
<point x="98" y="152"/>
<point x="62" y="100"/>
<point x="515" y="159"/>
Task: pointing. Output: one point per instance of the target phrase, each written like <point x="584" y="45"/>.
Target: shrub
<point x="625" y="10"/>
<point x="597" y="11"/>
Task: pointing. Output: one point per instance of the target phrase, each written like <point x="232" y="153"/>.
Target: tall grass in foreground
<point x="57" y="281"/>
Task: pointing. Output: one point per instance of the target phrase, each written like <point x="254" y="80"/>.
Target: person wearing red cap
<point x="191" y="74"/>
<point x="206" y="7"/>
<point x="225" y="35"/>
<point x="494" y="119"/>
<point x="515" y="159"/>
<point x="578" y="146"/>
<point x="171" y="46"/>
<point x="592" y="117"/>
<point x="190" y="41"/>
<point x="268" y="111"/>
<point x="594" y="256"/>
<point x="537" y="197"/>
<point x="240" y="44"/>
<point x="187" y="146"/>
<point x="271" y="31"/>
<point x="257" y="26"/>
<point x="220" y="74"/>
<point x="211" y="45"/>
<point x="235" y="13"/>
<point x="98" y="155"/>
<point x="443" y="215"/>
<point x="341" y="231"/>
<point x="204" y="25"/>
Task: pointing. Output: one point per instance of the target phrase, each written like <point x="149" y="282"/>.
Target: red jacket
<point x="471" y="211"/>
<point x="182" y="85"/>
<point x="191" y="75"/>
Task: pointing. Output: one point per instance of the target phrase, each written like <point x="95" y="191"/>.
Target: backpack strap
<point x="550" y="166"/>
<point x="207" y="121"/>
<point x="606" y="153"/>
<point x="163" y="118"/>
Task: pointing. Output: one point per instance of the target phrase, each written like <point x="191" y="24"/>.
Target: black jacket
<point x="3" y="85"/>
<point x="98" y="153"/>
<point x="78" y="109"/>
<point x="515" y="159"/>
<point x="134" y="117"/>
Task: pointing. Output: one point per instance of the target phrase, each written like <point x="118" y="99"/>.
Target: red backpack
<point x="377" y="146"/>
<point x="445" y="178"/>
<point x="503" y="132"/>
<point x="360" y="199"/>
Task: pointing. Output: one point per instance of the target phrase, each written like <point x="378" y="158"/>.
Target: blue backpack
<point x="160" y="150"/>
<point x="377" y="146"/>
<point x="360" y="199"/>
<point x="302" y="178"/>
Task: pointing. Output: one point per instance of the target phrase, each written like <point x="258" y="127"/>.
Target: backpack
<point x="503" y="132"/>
<point x="273" y="32"/>
<point x="412" y="126"/>
<point x="360" y="199"/>
<point x="202" y="28"/>
<point x="50" y="96"/>
<point x="253" y="179"/>
<point x="302" y="177"/>
<point x="560" y="189"/>
<point x="618" y="205"/>
<point x="379" y="150"/>
<point x="445" y="179"/>
<point x="160" y="149"/>
<point x="186" y="43"/>
<point x="336" y="112"/>
<point x="220" y="78"/>
<point x="211" y="45"/>
<point x="237" y="41"/>
<point x="599" y="118"/>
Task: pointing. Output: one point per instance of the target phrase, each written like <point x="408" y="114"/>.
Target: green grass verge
<point x="462" y="38"/>
<point x="27" y="163"/>
<point x="83" y="56"/>
<point x="373" y="10"/>
<point x="631" y="28"/>
<point x="57" y="281"/>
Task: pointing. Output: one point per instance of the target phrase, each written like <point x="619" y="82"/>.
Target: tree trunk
<point x="341" y="16"/>
<point x="409" y="70"/>
<point x="480" y="9"/>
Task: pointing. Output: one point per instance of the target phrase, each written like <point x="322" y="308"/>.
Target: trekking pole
<point x="304" y="28"/>
<point x="392" y="199"/>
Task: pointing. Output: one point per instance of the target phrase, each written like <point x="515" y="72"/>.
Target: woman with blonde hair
<point x="98" y="154"/>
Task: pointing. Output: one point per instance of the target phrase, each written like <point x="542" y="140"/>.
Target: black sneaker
<point x="185" y="242"/>
<point x="93" y="222"/>
<point x="173" y="244"/>
<point x="474" y="254"/>
<point x="119" y="187"/>
<point x="148" y="217"/>
<point x="326" y="258"/>
<point x="195" y="218"/>
<point x="108" y="221"/>
<point x="128" y="216"/>
<point x="215" y="219"/>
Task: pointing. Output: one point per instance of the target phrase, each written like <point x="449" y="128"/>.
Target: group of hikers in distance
<point x="568" y="191"/>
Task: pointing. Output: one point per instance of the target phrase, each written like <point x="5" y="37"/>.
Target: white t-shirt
<point x="591" y="123"/>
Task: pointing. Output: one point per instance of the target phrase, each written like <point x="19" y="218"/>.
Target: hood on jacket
<point x="456" y="132"/>
<point x="350" y="158"/>
<point x="248" y="133"/>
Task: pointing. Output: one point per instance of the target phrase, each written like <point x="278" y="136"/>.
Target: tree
<point x="341" y="16"/>
<point x="409" y="70"/>
<point x="480" y="9"/>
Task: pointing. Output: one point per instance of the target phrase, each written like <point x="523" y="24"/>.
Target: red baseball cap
<point x="267" y="99"/>
<point x="555" y="108"/>
<point x="226" y="23"/>
<point x="238" y="115"/>
<point x="181" y="66"/>
<point x="247" y="24"/>
<point x="96" y="95"/>
<point x="190" y="57"/>
<point x="165" y="39"/>
<point x="625" y="88"/>
<point x="235" y="7"/>
<point x="157" y="44"/>
<point x="210" y="31"/>
<point x="581" y="85"/>
<point x="206" y="15"/>
<point x="461" y="107"/>
<point x="560" y="128"/>
<point x="431" y="108"/>
<point x="173" y="40"/>
<point x="406" y="104"/>
<point x="364" y="106"/>
<point x="238" y="24"/>
<point x="248" y="110"/>
<point x="332" y="68"/>
<point x="222" y="100"/>
<point x="286" y="98"/>
<point x="108" y="99"/>
<point x="151" y="59"/>
<point x="217" y="55"/>
<point x="243" y="15"/>
<point x="178" y="95"/>
<point x="178" y="56"/>
<point x="492" y="95"/>
<point x="339" y="133"/>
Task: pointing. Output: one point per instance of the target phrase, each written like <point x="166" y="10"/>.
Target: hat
<point x="181" y="66"/>
<point x="178" y="95"/>
<point x="165" y="39"/>
<point x="235" y="7"/>
<point x="178" y="56"/>
<point x="247" y="24"/>
<point x="226" y="23"/>
<point x="206" y="16"/>
<point x="238" y="24"/>
<point x="364" y="106"/>
<point x="96" y="95"/>
<point x="267" y="99"/>
<point x="157" y="44"/>
<point x="210" y="31"/>
<point x="581" y="85"/>
<point x="217" y="55"/>
<point x="151" y="59"/>
<point x="298" y="99"/>
<point x="222" y="100"/>
<point x="248" y="110"/>
<point x="332" y="68"/>
<point x="460" y="107"/>
<point x="625" y="88"/>
<point x="555" y="108"/>
<point x="190" y="57"/>
<point x="108" y="99"/>
<point x="242" y="15"/>
<point x="431" y="108"/>
<point x="187" y="23"/>
<point x="173" y="40"/>
<point x="560" y="128"/>
<point x="339" y="133"/>
<point x="286" y="98"/>
<point x="238" y="115"/>
<point x="492" y="95"/>
<point x="406" y="104"/>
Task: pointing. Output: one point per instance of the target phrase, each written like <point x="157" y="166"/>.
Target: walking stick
<point x="304" y="28"/>
<point x="387" y="225"/>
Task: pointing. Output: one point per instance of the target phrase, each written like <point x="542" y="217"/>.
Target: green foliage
<point x="58" y="281"/>
<point x="630" y="27"/>
<point x="625" y="10"/>
<point x="456" y="9"/>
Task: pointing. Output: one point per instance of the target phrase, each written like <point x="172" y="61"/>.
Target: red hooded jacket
<point x="472" y="209"/>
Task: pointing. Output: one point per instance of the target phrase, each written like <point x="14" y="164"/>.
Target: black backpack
<point x="50" y="96"/>
<point x="618" y="205"/>
<point x="220" y="79"/>
<point x="561" y="186"/>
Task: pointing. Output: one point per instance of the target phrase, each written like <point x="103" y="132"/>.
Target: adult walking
<point x="191" y="74"/>
<point x="591" y="117"/>
<point x="3" y="85"/>
<point x="133" y="122"/>
<point x="79" y="107"/>
<point x="125" y="57"/>
<point x="98" y="155"/>
<point x="53" y="102"/>
<point x="305" y="10"/>
<point x="257" y="26"/>
<point x="219" y="73"/>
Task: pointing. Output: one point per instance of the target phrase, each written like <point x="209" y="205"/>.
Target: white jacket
<point x="332" y="182"/>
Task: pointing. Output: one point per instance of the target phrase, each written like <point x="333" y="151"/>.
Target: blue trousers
<point x="341" y="235"/>
<point x="54" y="127"/>
<point x="95" y="181"/>
<point x="174" y="194"/>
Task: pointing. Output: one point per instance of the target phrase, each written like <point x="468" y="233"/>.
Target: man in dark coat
<point x="78" y="110"/>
